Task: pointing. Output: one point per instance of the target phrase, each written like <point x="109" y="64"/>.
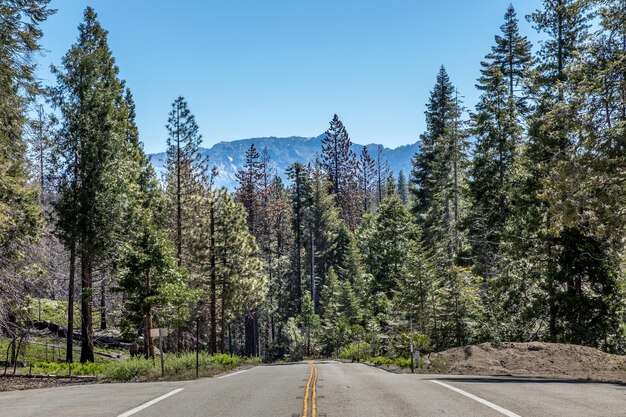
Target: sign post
<point x="160" y="333"/>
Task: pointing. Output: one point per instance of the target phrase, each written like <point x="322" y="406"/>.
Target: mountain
<point x="228" y="157"/>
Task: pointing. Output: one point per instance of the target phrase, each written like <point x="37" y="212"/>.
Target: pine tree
<point x="382" y="173"/>
<point x="582" y="188"/>
<point x="340" y="164"/>
<point x="438" y="177"/>
<point x="250" y="182"/>
<point x="367" y="178"/>
<point x="90" y="145"/>
<point x="145" y="259"/>
<point x="300" y="197"/>
<point x="402" y="188"/>
<point x="385" y="247"/>
<point x="185" y="168"/>
<point x="20" y="216"/>
<point x="565" y="22"/>
<point x="498" y="127"/>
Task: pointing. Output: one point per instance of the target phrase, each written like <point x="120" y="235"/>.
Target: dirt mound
<point x="535" y="359"/>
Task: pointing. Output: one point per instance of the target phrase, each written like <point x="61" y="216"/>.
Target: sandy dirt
<point x="535" y="359"/>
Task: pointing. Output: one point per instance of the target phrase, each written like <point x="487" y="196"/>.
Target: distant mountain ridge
<point x="228" y="156"/>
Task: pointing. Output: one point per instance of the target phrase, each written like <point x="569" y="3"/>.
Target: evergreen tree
<point x="582" y="189"/>
<point x="20" y="216"/>
<point x="385" y="248"/>
<point x="91" y="147"/>
<point x="382" y="173"/>
<point x="340" y="164"/>
<point x="185" y="168"/>
<point x="438" y="176"/>
<point x="300" y="197"/>
<point x="250" y="183"/>
<point x="498" y="127"/>
<point x="402" y="188"/>
<point x="145" y="258"/>
<point x="565" y="22"/>
<point x="367" y="178"/>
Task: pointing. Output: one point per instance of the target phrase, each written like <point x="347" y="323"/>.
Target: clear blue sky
<point x="253" y="68"/>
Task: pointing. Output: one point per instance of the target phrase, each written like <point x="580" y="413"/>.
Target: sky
<point x="251" y="68"/>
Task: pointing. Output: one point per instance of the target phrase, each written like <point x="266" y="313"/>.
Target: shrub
<point x="352" y="351"/>
<point x="131" y="369"/>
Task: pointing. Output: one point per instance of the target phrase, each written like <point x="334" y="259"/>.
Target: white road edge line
<point x="234" y="373"/>
<point x="480" y="400"/>
<point x="149" y="403"/>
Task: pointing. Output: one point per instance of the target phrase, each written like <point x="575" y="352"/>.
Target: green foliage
<point x="355" y="351"/>
<point x="53" y="368"/>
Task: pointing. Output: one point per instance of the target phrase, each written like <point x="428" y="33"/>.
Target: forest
<point x="510" y="226"/>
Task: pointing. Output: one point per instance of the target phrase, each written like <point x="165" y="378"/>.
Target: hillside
<point x="229" y="156"/>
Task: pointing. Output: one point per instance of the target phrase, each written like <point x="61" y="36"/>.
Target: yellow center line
<point x="314" y="394"/>
<point x="305" y="401"/>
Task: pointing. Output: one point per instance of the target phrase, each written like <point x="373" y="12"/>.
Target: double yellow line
<point x="310" y="392"/>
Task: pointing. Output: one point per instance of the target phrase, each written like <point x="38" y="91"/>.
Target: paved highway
<point x="325" y="389"/>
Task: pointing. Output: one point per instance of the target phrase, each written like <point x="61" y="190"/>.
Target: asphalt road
<point x="325" y="389"/>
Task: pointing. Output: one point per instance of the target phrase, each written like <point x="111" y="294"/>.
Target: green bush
<point x="53" y="368"/>
<point x="380" y="360"/>
<point x="352" y="351"/>
<point x="130" y="369"/>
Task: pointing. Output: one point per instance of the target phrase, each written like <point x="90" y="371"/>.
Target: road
<point x="325" y="389"/>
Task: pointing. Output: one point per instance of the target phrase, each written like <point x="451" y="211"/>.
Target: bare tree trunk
<point x="69" y="358"/>
<point x="103" y="305"/>
<point x="86" y="352"/>
<point x="213" y="306"/>
<point x="148" y="342"/>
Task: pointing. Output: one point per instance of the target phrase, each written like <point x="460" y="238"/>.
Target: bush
<point x="131" y="369"/>
<point x="353" y="351"/>
<point x="53" y="368"/>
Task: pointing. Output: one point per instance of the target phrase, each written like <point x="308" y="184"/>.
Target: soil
<point x="12" y="383"/>
<point x="535" y="359"/>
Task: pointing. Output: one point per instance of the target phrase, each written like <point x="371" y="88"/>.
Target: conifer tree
<point x="185" y="169"/>
<point x="300" y="198"/>
<point x="386" y="247"/>
<point x="20" y="216"/>
<point x="382" y="173"/>
<point x="91" y="143"/>
<point x="250" y="184"/>
<point x="340" y="164"/>
<point x="145" y="259"/>
<point x="367" y="178"/>
<point x="402" y="188"/>
<point x="438" y="177"/>
<point x="582" y="188"/>
<point x="565" y="23"/>
<point x="498" y="127"/>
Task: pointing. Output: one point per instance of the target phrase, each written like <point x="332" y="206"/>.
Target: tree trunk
<point x="148" y="342"/>
<point x="69" y="358"/>
<point x="103" y="305"/>
<point x="213" y="303"/>
<point x="86" y="351"/>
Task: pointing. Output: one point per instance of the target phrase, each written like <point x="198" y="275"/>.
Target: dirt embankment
<point x="535" y="359"/>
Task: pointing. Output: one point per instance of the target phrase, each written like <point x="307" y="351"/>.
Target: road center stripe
<point x="314" y="394"/>
<point x="480" y="400"/>
<point x="149" y="403"/>
<point x="234" y="373"/>
<point x="305" y="399"/>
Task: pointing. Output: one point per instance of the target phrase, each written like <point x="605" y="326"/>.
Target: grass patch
<point x="177" y="367"/>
